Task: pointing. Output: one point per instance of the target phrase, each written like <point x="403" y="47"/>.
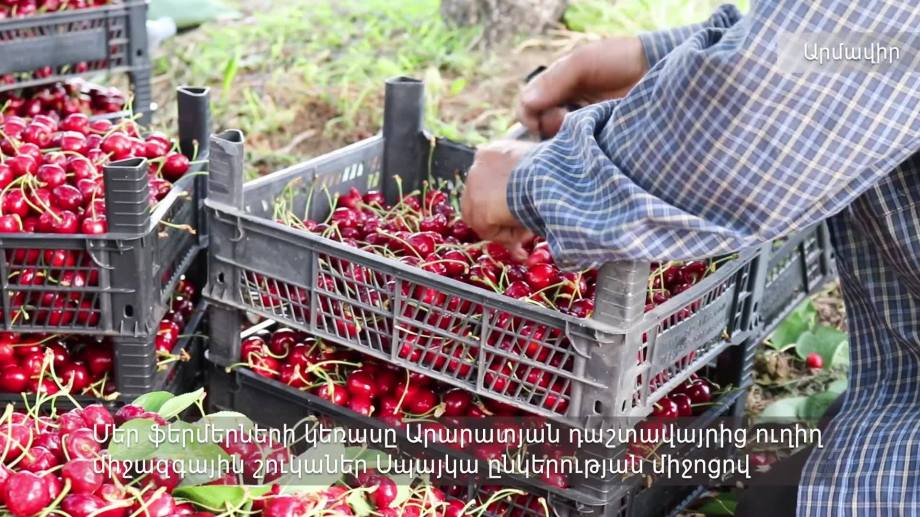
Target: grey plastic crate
<point x="136" y="379"/>
<point x="271" y="404"/>
<point x="137" y="263"/>
<point x="107" y="39"/>
<point x="791" y="270"/>
<point x="277" y="404"/>
<point x="616" y="364"/>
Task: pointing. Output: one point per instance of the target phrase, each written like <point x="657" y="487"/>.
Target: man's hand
<point x="599" y="71"/>
<point x="484" y="204"/>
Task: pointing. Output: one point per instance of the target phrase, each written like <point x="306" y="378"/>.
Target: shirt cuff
<point x="659" y="44"/>
<point x="520" y="194"/>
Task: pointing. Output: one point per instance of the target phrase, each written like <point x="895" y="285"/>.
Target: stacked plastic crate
<point x="43" y="56"/>
<point x="605" y="370"/>
<point x="100" y="305"/>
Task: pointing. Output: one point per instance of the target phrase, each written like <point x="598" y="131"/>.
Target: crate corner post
<point x="403" y="135"/>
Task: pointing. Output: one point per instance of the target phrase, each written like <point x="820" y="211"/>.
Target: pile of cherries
<point x="424" y="230"/>
<point x="381" y="493"/>
<point x="23" y="8"/>
<point x="80" y="364"/>
<point x="51" y="181"/>
<point x="59" y="463"/>
<point x="689" y="399"/>
<point x="398" y="397"/>
<point x="61" y="99"/>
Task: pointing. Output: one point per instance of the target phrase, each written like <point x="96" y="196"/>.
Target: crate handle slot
<point x="194" y="121"/>
<point x="127" y="195"/>
<point x="225" y="177"/>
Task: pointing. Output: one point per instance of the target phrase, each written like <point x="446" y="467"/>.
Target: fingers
<point x="514" y="239"/>
<point x="551" y="121"/>
<point x="553" y="88"/>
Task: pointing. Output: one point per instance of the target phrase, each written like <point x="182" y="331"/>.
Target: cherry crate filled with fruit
<point x="99" y="223"/>
<point x="51" y="41"/>
<point x="88" y="368"/>
<point x="368" y="252"/>
<point x="283" y="375"/>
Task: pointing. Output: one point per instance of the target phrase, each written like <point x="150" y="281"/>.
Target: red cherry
<point x="334" y="393"/>
<point x="118" y="145"/>
<point x="684" y="404"/>
<point x="76" y="375"/>
<point x="86" y="505"/>
<point x="26" y="494"/>
<point x="94" y="225"/>
<point x="83" y="475"/>
<point x="175" y="166"/>
<point x="666" y="408"/>
<point x="51" y="175"/>
<point x="82" y="444"/>
<point x="22" y="165"/>
<point x="66" y="196"/>
<point x="814" y="361"/>
<point x="10" y="223"/>
<point x="99" y="419"/>
<point x="75" y="122"/>
<point x="283" y="506"/>
<point x="361" y="383"/>
<point x="155" y="504"/>
<point x="73" y="142"/>
<point x="541" y="276"/>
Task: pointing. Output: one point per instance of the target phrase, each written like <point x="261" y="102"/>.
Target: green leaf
<point x="816" y="405"/>
<point x="222" y="421"/>
<point x="134" y="441"/>
<point x="783" y="409"/>
<point x="357" y="500"/>
<point x="142" y="439"/>
<point x="176" y="405"/>
<point x="723" y="504"/>
<point x="798" y="322"/>
<point x="308" y="482"/>
<point x="824" y="341"/>
<point x="841" y="357"/>
<point x="838" y="386"/>
<point x="230" y="71"/>
<point x="214" y="498"/>
<point x="403" y="488"/>
<point x="153" y="401"/>
<point x="457" y="86"/>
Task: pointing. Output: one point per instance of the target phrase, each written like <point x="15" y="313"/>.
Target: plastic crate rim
<point x="73" y="15"/>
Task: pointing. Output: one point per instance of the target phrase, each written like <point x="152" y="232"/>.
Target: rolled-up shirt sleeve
<point x="718" y="149"/>
<point x="658" y="44"/>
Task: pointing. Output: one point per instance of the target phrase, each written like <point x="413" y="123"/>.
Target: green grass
<point x="312" y="71"/>
<point x="286" y="67"/>
<point x="633" y="16"/>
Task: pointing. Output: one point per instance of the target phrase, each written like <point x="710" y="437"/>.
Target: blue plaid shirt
<point x="718" y="149"/>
